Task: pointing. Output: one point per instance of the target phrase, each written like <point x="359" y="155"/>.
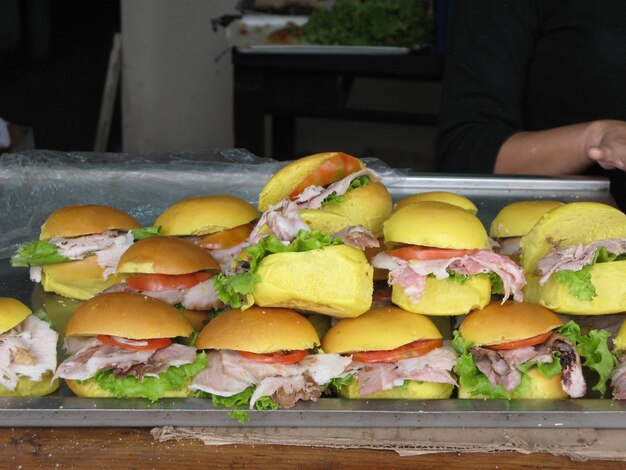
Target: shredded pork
<point x="618" y="379"/>
<point x="229" y="373"/>
<point x="27" y="350"/>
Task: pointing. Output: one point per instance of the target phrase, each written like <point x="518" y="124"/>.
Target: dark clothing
<point x="529" y="65"/>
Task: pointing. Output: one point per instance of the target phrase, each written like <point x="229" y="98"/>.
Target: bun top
<point x="87" y="219"/>
<point x="571" y="224"/>
<point x="439" y="196"/>
<point x="503" y="323"/>
<point x="259" y="330"/>
<point x="133" y="316"/>
<point x="619" y="341"/>
<point x="379" y="329"/>
<point x="517" y="218"/>
<point x="285" y="180"/>
<point x="203" y="215"/>
<point x="436" y="224"/>
<point x="12" y="313"/>
<point x="166" y="255"/>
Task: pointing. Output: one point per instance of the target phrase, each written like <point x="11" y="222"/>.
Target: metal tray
<point x="489" y="193"/>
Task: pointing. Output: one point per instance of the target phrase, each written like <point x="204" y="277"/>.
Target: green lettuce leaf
<point x="37" y="253"/>
<point x="497" y="286"/>
<point x="594" y="351"/>
<point x="578" y="282"/>
<point x="145" y="232"/>
<point x="235" y="290"/>
<point x="152" y="388"/>
<point x="549" y="369"/>
<point x="334" y="198"/>
<point x="337" y="383"/>
<point x="240" y="400"/>
<point x="240" y="415"/>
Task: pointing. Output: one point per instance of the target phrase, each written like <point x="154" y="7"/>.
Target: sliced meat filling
<point x="434" y="366"/>
<point x="501" y="367"/>
<point x="27" y="350"/>
<point x="97" y="356"/>
<point x="618" y="379"/>
<point x="230" y="373"/>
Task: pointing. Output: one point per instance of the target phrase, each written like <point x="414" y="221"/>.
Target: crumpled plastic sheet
<point x="35" y="183"/>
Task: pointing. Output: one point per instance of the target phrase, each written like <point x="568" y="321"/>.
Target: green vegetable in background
<point x="396" y="23"/>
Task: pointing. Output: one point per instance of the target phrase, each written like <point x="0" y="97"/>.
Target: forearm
<point x="558" y="151"/>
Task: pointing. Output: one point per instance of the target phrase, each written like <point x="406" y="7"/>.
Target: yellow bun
<point x="74" y="221"/>
<point x="410" y="390"/>
<point x="571" y="224"/>
<point x="517" y="218"/>
<point x="285" y="180"/>
<point x="91" y="389"/>
<point x="324" y="221"/>
<point x="166" y="255"/>
<point x="541" y="387"/>
<point x="259" y="330"/>
<point x="503" y="323"/>
<point x="369" y="206"/>
<point x="336" y="281"/>
<point x="80" y="279"/>
<point x="439" y="196"/>
<point x="206" y="214"/>
<point x="132" y="316"/>
<point x="446" y="297"/>
<point x="436" y="224"/>
<point x="28" y="388"/>
<point x="12" y="313"/>
<point x="381" y="328"/>
<point x="608" y="279"/>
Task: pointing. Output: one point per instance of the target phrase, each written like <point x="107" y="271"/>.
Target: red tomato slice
<point x="156" y="343"/>
<point x="522" y="343"/>
<point x="414" y="349"/>
<point x="280" y="357"/>
<point x="422" y="253"/>
<point x="227" y="238"/>
<point x="332" y="170"/>
<point x="148" y="282"/>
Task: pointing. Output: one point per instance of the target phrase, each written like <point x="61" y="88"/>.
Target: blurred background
<point x="193" y="77"/>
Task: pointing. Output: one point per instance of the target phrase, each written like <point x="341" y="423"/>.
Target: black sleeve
<point x="490" y="48"/>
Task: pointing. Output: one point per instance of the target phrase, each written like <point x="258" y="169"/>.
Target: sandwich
<point x="134" y="347"/>
<point x="218" y="223"/>
<point x="78" y="249"/>
<point x="28" y="351"/>
<point x="575" y="259"/>
<point x="264" y="358"/>
<point x="438" y="196"/>
<point x="313" y="273"/>
<point x="514" y="221"/>
<point x="394" y="353"/>
<point x="172" y="270"/>
<point x="328" y="192"/>
<point x="522" y="350"/>
<point x="440" y="261"/>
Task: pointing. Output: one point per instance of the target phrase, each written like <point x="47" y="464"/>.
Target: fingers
<point x="609" y="157"/>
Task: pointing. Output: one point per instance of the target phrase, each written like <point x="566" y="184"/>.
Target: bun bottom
<point x="541" y="387"/>
<point x="90" y="389"/>
<point x="27" y="388"/>
<point x="76" y="279"/>
<point x="446" y="297"/>
<point x="411" y="390"/>
<point x="608" y="279"/>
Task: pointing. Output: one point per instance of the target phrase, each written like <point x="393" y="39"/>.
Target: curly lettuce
<point x="153" y="388"/>
<point x="38" y="253"/>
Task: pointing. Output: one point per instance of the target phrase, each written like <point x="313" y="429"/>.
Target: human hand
<point x="609" y="146"/>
